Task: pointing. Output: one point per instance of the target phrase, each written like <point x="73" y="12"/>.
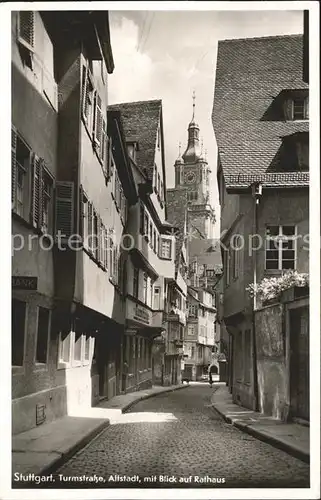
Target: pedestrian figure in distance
<point x="124" y="375"/>
<point x="210" y="378"/>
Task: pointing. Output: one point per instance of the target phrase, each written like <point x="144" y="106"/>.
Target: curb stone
<point x="266" y="438"/>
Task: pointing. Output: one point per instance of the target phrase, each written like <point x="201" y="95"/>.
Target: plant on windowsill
<point x="275" y="289"/>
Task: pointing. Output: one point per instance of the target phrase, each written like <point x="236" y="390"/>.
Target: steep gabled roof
<point x="250" y="75"/>
<point x="141" y="120"/>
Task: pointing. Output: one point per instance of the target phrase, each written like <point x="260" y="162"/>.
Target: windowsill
<point x="165" y="258"/>
<point x="17" y="370"/>
<point x="76" y="363"/>
<point x="276" y="272"/>
<point x="40" y="367"/>
<point x="63" y="365"/>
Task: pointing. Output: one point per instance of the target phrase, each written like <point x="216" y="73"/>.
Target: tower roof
<point x="192" y="152"/>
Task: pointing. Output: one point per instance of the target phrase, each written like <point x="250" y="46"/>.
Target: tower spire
<point x="193" y="97"/>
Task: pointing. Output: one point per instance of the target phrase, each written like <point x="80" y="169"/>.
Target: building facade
<point x="153" y="283"/>
<point x="60" y="188"/>
<point x="260" y="119"/>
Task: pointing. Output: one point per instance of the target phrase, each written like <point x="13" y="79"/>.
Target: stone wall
<point x="271" y="361"/>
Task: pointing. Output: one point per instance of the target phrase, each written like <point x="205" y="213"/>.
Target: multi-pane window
<point x="87" y="95"/>
<point x="192" y="196"/>
<point x="47" y="203"/>
<point x="236" y="256"/>
<point x="166" y="248"/>
<point x="190" y="330"/>
<point x="26" y="36"/>
<point x="135" y="283"/>
<point x="193" y="310"/>
<point x="156" y="301"/>
<point x="77" y="347"/>
<point x="297" y="108"/>
<point x="20" y="175"/>
<point x="141" y="219"/>
<point x="64" y="348"/>
<point x="227" y="266"/>
<point x="155" y="241"/>
<point x="18" y="320"/>
<point x="42" y="335"/>
<point x="145" y="288"/>
<point x="280" y="247"/>
<point x="210" y="273"/>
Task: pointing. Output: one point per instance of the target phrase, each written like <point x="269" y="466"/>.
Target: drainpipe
<point x="257" y="194"/>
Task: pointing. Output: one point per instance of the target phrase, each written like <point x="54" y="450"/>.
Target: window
<point x="297" y="108"/>
<point x="280" y="247"/>
<point x="136" y="283"/>
<point x="192" y="352"/>
<point x="26" y="36"/>
<point x="192" y="310"/>
<point x="227" y="266"/>
<point x="190" y="330"/>
<point x="47" y="203"/>
<point x="210" y="273"/>
<point x="156" y="301"/>
<point x="192" y="196"/>
<point x="87" y="348"/>
<point x="162" y="191"/>
<point x="42" y="335"/>
<point x="177" y="176"/>
<point x="18" y="321"/>
<point x="90" y="221"/>
<point x="64" y="347"/>
<point x="145" y="288"/>
<point x="141" y="219"/>
<point x="166" y="248"/>
<point x="77" y="347"/>
<point x="87" y="96"/>
<point x="146" y="225"/>
<point x="155" y="241"/>
<point x="151" y="234"/>
<point x="236" y="260"/>
<point x="95" y="245"/>
<point x="131" y="149"/>
<point x="97" y="120"/>
<point x="20" y="171"/>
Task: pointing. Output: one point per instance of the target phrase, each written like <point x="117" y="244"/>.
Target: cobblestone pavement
<point x="178" y="434"/>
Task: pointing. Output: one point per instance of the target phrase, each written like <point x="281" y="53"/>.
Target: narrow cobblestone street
<point x="180" y="436"/>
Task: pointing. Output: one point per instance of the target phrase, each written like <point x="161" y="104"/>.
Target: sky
<point x="169" y="54"/>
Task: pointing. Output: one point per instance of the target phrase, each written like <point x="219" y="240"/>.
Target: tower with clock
<point x="192" y="174"/>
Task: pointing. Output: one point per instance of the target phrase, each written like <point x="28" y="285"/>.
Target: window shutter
<point x="98" y="120"/>
<point x="90" y="226"/>
<point x="84" y="91"/>
<point x="306" y="108"/>
<point x="81" y="211"/>
<point x="288" y="109"/>
<point x="13" y="167"/>
<point x="36" y="205"/>
<point x="26" y="29"/>
<point x="105" y="248"/>
<point x="64" y="216"/>
<point x="103" y="146"/>
<point x="101" y="241"/>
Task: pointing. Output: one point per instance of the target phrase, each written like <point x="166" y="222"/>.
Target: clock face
<point x="190" y="178"/>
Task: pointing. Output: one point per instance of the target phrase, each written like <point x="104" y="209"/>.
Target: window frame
<point x="162" y="241"/>
<point x="19" y="369"/>
<point x="61" y="364"/>
<point x="39" y="365"/>
<point x="280" y="238"/>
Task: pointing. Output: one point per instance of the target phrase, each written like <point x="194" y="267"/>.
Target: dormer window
<point x="296" y="105"/>
<point x="295" y="152"/>
<point x="132" y="147"/>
